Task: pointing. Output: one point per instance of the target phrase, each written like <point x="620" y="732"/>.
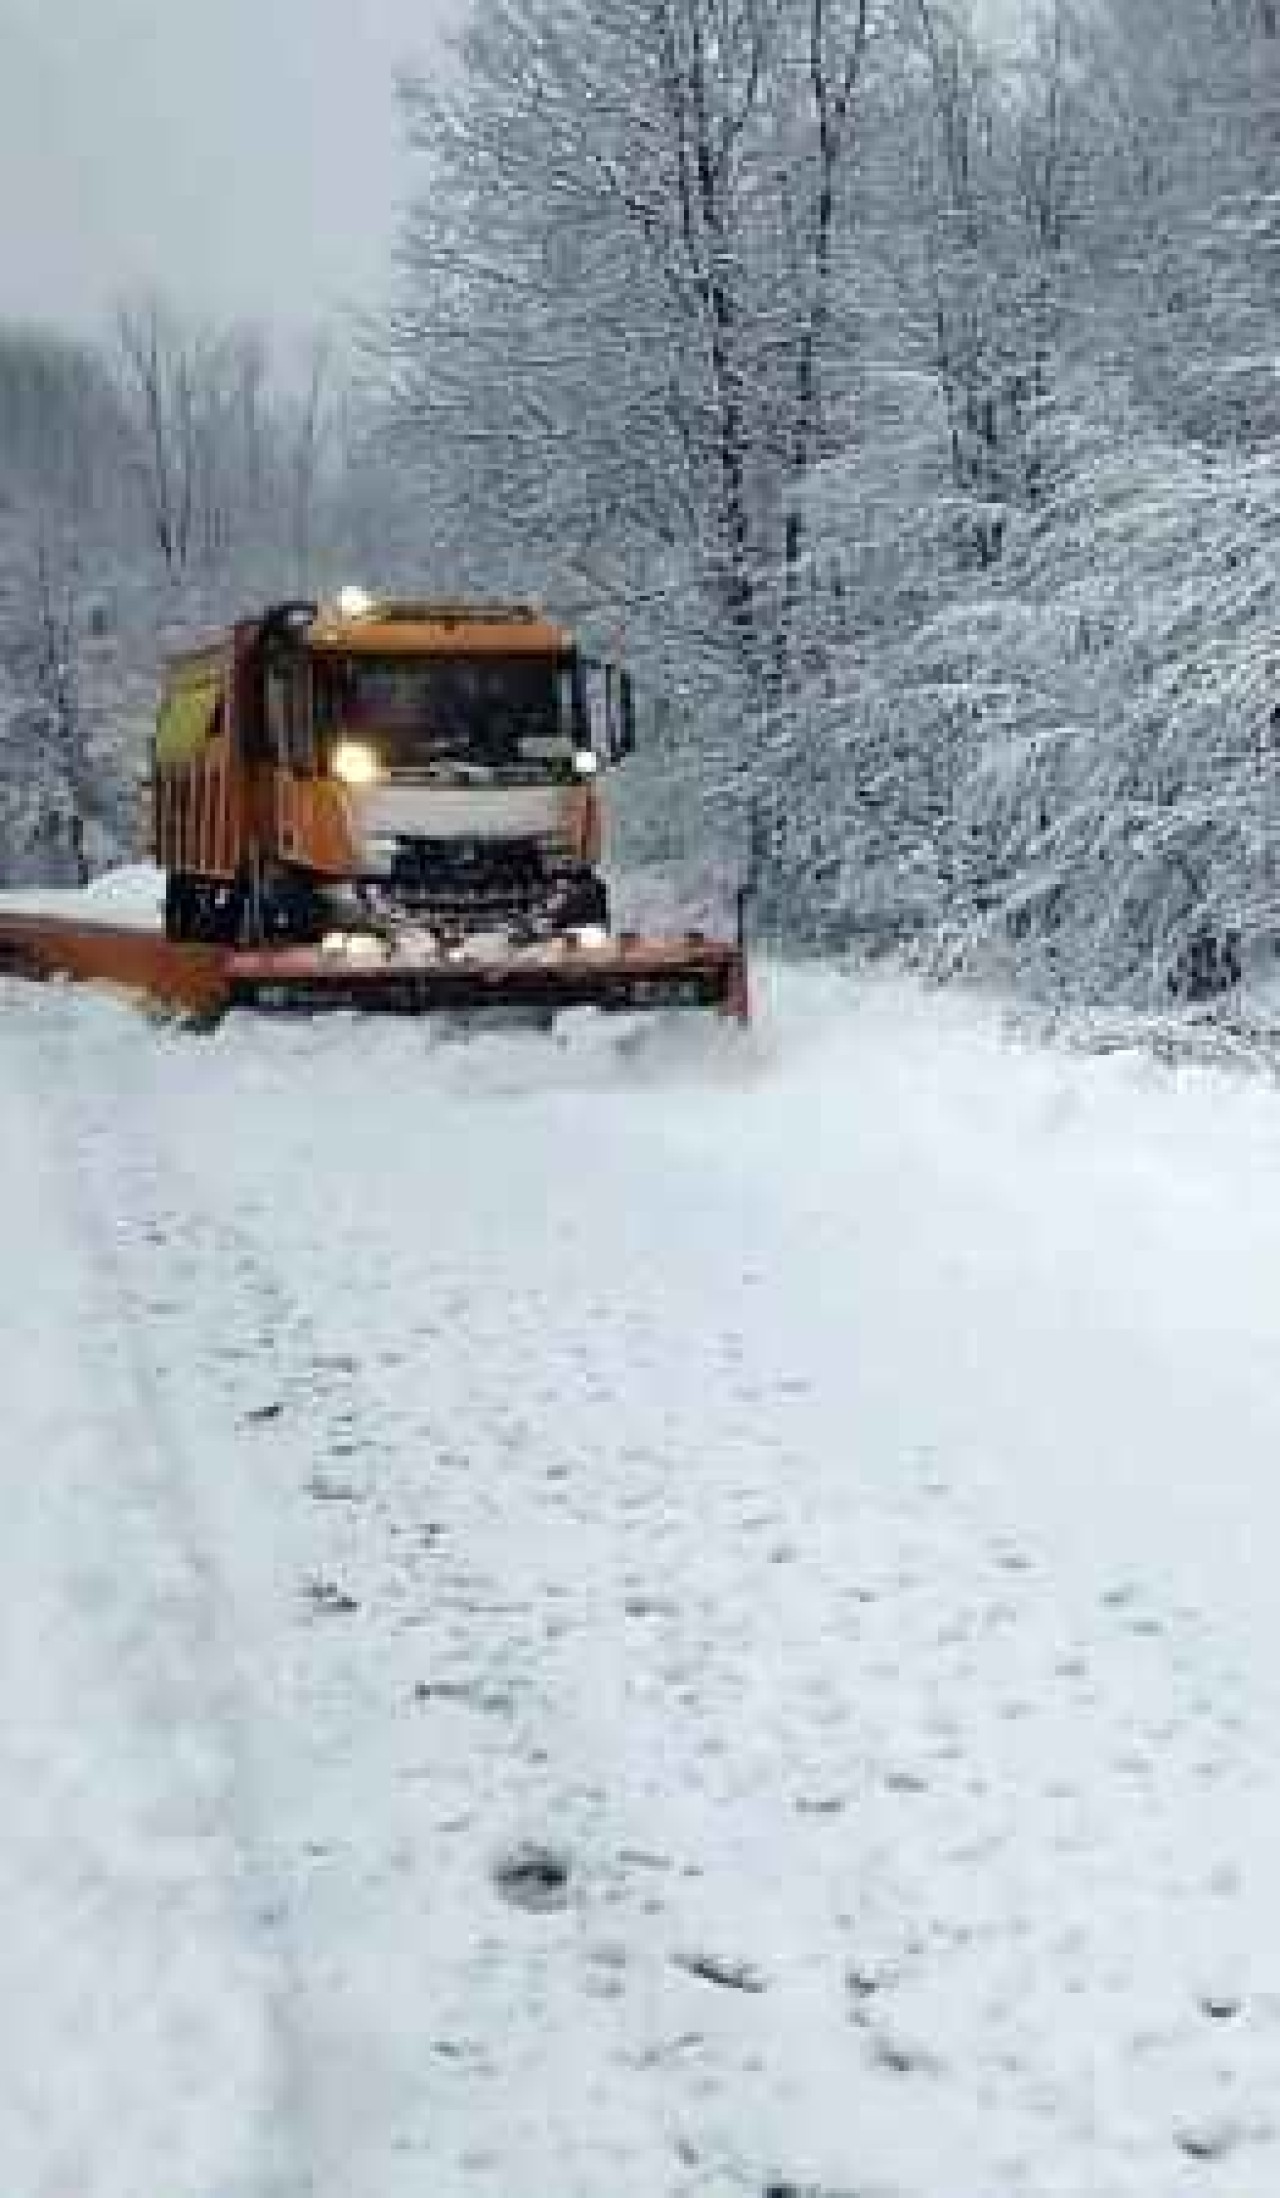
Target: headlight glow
<point x="586" y="763"/>
<point x="355" y="763"/>
<point x="354" y="602"/>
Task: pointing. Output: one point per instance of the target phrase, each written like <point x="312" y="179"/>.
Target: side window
<point x="288" y="717"/>
<point x="277" y="714"/>
<point x="298" y="712"/>
<point x="568" y="711"/>
<point x="324" y="690"/>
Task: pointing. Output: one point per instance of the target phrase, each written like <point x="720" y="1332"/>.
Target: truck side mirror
<point x="624" y="734"/>
<point x="759" y="847"/>
<point x="609" y="701"/>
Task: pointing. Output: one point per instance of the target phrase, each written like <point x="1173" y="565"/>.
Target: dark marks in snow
<point x="470" y="1694"/>
<point x="328" y="1595"/>
<point x="323" y="1490"/>
<point x="903" y="2055"/>
<point x="533" y="1877"/>
<point x="1212" y="2138"/>
<point x="261" y="1415"/>
<point x="731" y="1976"/>
<point x="786" y="2189"/>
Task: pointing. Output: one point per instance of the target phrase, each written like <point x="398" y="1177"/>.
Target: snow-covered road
<point x="595" y="1624"/>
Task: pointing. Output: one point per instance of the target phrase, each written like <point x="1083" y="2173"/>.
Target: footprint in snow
<point x="901" y="2054"/>
<point x="261" y="1415"/>
<point x="327" y="1595"/>
<point x="1211" y="2137"/>
<point x="533" y="1877"/>
<point x="731" y="1976"/>
<point x="804" y="2190"/>
<point x="906" y="1778"/>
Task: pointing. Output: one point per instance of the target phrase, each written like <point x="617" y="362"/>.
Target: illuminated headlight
<point x="592" y="936"/>
<point x="354" y="602"/>
<point x="586" y="763"/>
<point x="355" y="763"/>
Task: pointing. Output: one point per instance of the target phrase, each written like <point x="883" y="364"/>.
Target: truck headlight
<point x="355" y="763"/>
<point x="586" y="762"/>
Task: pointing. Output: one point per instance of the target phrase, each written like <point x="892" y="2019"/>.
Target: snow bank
<point x="131" y="897"/>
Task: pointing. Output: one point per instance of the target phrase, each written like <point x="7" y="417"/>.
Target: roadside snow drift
<point x="131" y="898"/>
<point x="653" y="1615"/>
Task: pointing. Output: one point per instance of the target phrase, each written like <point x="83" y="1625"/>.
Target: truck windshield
<point x="508" y="714"/>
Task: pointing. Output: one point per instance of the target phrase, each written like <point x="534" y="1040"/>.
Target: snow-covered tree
<point x="624" y="324"/>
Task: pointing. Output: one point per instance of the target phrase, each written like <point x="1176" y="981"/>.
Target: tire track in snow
<point x="202" y="1688"/>
<point x="297" y="1434"/>
<point x="497" y="1695"/>
<point x="351" y="1684"/>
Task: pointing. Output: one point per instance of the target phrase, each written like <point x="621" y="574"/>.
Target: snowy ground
<point x="595" y="1623"/>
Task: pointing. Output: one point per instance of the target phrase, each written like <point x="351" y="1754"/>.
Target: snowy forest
<point x="896" y="387"/>
<point x="151" y="486"/>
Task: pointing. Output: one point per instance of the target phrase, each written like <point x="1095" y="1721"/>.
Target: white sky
<point x="245" y="155"/>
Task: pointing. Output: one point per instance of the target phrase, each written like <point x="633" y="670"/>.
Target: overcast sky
<point x="243" y="154"/>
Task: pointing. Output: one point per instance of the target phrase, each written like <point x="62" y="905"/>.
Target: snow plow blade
<point x="624" y="974"/>
<point x="189" y="980"/>
<point x="362" y="976"/>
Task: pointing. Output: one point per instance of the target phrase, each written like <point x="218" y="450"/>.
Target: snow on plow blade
<point x="624" y="973"/>
<point x="362" y="976"/>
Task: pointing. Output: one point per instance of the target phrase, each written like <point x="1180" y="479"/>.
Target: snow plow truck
<point x="391" y="805"/>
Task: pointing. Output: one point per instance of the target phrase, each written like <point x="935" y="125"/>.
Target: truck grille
<point x="472" y="882"/>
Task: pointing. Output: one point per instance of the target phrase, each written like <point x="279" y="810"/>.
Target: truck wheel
<point x="177" y="907"/>
<point x="272" y="907"/>
<point x="590" y="901"/>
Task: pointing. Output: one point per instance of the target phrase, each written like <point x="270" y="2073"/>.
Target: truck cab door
<point x="290" y="753"/>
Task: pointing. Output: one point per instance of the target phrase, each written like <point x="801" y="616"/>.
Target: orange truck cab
<point x="385" y="763"/>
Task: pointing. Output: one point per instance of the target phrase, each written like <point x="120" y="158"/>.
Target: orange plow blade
<point x="191" y="980"/>
<point x="365" y="976"/>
